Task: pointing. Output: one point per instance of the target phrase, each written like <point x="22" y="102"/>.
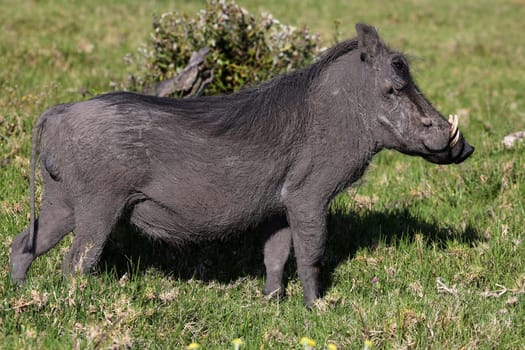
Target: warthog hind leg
<point x="94" y="222"/>
<point x="276" y="252"/>
<point x="56" y="220"/>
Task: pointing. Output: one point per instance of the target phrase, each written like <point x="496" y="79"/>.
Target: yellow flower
<point x="193" y="346"/>
<point x="368" y="345"/>
<point x="331" y="346"/>
<point x="237" y="343"/>
<point x="307" y="343"/>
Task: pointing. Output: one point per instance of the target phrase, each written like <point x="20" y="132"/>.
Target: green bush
<point x="243" y="50"/>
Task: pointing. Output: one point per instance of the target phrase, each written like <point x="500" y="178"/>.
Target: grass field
<point x="419" y="256"/>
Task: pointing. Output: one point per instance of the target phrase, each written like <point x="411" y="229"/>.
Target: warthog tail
<point x="37" y="130"/>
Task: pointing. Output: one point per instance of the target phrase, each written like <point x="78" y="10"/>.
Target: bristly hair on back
<point x="333" y="53"/>
<point x="273" y="111"/>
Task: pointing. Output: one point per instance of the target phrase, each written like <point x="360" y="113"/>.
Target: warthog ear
<point x="368" y="38"/>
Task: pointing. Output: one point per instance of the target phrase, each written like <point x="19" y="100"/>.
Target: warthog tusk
<point x="454" y="131"/>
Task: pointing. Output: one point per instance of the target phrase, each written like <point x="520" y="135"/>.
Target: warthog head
<point x="404" y="119"/>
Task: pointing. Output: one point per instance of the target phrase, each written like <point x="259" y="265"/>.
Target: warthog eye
<point x="398" y="64"/>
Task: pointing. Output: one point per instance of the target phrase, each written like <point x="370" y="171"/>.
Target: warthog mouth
<point x="454" y="130"/>
<point x="465" y="153"/>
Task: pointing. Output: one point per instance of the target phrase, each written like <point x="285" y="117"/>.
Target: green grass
<point x="444" y="243"/>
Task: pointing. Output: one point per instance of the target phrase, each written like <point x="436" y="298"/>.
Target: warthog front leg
<point x="308" y="235"/>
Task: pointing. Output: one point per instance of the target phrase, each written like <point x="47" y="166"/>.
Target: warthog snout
<point x="456" y="149"/>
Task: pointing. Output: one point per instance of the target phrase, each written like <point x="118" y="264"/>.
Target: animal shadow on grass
<point x="225" y="261"/>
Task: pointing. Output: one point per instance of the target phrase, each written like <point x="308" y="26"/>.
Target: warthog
<point x="272" y="156"/>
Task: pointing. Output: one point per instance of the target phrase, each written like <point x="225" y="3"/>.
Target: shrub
<point x="243" y="50"/>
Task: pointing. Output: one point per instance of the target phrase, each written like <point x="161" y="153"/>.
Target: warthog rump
<point x="270" y="157"/>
